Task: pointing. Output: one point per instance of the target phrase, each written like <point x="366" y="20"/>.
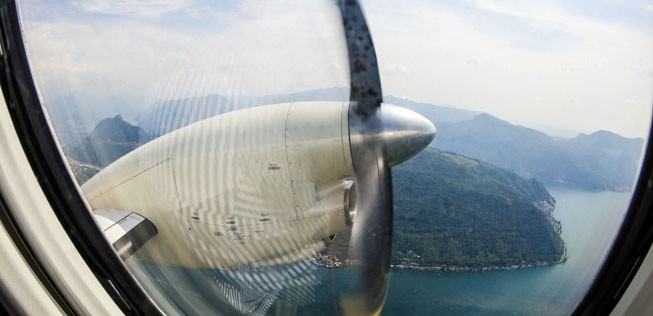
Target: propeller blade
<point x="380" y="137"/>
<point x="371" y="240"/>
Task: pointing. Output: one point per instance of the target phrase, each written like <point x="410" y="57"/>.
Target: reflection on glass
<point x="510" y="211"/>
<point x="216" y="199"/>
<point x="215" y="192"/>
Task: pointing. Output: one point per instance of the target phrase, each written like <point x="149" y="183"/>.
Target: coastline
<point x="547" y="207"/>
<point x="448" y="268"/>
<point x="451" y="268"/>
<point x="334" y="262"/>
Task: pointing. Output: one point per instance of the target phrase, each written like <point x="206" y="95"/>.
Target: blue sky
<point x="581" y="65"/>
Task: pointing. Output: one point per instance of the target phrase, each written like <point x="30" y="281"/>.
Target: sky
<point x="572" y="65"/>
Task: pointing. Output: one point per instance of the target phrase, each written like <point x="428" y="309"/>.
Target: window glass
<point x="210" y="217"/>
<point x="541" y="109"/>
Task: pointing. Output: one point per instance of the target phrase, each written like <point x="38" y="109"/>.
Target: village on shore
<point x="329" y="260"/>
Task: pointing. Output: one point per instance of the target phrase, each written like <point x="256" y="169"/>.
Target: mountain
<point x="435" y="113"/>
<point x="453" y="210"/>
<point x="111" y="139"/>
<point x="599" y="161"/>
<point x="167" y="115"/>
<point x="73" y="116"/>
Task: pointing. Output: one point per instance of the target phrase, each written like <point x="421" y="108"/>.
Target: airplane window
<point x="236" y="155"/>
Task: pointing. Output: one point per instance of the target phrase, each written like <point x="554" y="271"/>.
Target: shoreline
<point x="448" y="268"/>
<point x="445" y="268"/>
<point x="331" y="261"/>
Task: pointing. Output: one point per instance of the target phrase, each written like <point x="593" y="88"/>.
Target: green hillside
<point x="452" y="210"/>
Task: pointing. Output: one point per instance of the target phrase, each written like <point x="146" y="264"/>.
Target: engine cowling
<point x="259" y="186"/>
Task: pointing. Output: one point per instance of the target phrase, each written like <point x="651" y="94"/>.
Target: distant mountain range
<point x="599" y="161"/>
<point x="167" y="115"/>
<point x="435" y="113"/>
<point x="74" y="116"/>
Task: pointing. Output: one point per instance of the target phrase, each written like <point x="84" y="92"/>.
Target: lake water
<point x="589" y="223"/>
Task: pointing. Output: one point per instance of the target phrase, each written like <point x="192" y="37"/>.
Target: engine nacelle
<point x="252" y="187"/>
<point x="261" y="186"/>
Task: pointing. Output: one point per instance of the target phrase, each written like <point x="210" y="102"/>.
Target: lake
<point x="589" y="223"/>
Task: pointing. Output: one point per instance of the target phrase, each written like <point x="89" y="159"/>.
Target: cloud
<point x="394" y="69"/>
<point x="124" y="8"/>
<point x="522" y="61"/>
<point x="598" y="63"/>
<point x="146" y="51"/>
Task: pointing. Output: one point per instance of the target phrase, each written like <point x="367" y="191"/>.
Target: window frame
<point x="625" y="257"/>
<point x="53" y="174"/>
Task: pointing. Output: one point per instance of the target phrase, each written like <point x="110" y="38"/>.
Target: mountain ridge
<point x="164" y="116"/>
<point x="599" y="161"/>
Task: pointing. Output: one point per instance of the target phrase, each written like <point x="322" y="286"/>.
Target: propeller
<point x="380" y="136"/>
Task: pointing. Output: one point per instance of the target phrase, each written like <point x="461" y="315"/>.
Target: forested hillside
<point x="456" y="212"/>
<point x="452" y="210"/>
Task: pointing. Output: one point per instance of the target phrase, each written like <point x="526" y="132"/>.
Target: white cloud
<point x="523" y="61"/>
<point x="141" y="8"/>
<point x="258" y="47"/>
<point x="584" y="84"/>
<point x="394" y="69"/>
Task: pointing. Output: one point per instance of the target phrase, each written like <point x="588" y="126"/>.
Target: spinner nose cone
<point x="405" y="132"/>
